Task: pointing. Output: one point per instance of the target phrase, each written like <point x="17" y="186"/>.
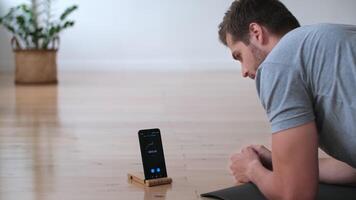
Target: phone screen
<point x="152" y="153"/>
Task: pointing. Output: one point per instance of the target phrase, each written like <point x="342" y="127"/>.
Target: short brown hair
<point x="270" y="13"/>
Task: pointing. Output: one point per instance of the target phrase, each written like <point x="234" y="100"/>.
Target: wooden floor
<point x="78" y="140"/>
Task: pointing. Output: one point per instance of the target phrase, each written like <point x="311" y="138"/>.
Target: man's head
<point x="251" y="28"/>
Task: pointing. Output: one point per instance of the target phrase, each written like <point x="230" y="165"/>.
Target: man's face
<point x="250" y="56"/>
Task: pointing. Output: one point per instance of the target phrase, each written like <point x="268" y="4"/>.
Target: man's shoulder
<point x="298" y="43"/>
<point x="321" y="28"/>
<point x="317" y="33"/>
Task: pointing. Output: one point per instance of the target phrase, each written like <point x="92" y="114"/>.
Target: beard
<point x="258" y="54"/>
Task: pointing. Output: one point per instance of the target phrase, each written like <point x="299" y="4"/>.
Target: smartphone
<point x="154" y="165"/>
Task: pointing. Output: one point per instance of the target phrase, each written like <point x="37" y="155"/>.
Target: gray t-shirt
<point x="311" y="75"/>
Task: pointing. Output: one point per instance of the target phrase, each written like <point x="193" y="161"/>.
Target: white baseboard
<point x="113" y="65"/>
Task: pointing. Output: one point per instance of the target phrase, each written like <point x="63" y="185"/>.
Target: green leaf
<point x="39" y="30"/>
<point x="52" y="31"/>
<point x="20" y="20"/>
<point x="58" y="29"/>
<point x="10" y="28"/>
<point x="68" y="11"/>
<point x="10" y="13"/>
<point x="25" y="8"/>
<point x="68" y="24"/>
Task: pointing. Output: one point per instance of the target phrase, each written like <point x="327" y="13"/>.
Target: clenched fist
<point x="242" y="162"/>
<point x="264" y="154"/>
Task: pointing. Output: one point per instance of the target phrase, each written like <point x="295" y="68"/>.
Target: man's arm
<point x="295" y="165"/>
<point x="331" y="171"/>
<point x="336" y="172"/>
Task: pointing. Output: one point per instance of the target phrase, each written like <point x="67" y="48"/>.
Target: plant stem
<point x="36" y="21"/>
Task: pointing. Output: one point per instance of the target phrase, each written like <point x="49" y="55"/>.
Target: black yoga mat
<point x="250" y="192"/>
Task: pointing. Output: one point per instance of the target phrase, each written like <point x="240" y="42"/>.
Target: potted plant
<point x="35" y="40"/>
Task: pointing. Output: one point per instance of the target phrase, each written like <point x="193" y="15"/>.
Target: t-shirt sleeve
<point x="285" y="97"/>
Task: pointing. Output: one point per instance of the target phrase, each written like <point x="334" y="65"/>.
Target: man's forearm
<point x="265" y="181"/>
<point x="336" y="172"/>
<point x="274" y="187"/>
<point x="330" y="170"/>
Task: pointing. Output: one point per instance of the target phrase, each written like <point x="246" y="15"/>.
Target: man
<point x="306" y="81"/>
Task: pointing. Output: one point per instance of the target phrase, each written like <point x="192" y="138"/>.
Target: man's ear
<point x="257" y="34"/>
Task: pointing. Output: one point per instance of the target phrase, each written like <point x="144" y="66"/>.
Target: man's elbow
<point x="299" y="194"/>
<point x="288" y="193"/>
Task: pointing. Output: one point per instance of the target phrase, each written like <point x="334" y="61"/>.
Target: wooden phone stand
<point x="138" y="177"/>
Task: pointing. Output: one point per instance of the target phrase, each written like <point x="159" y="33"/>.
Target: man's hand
<point x="264" y="154"/>
<point x="241" y="164"/>
<point x="295" y="164"/>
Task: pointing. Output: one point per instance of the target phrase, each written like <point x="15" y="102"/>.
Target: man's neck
<point x="273" y="41"/>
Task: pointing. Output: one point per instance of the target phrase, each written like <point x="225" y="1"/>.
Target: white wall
<point x="161" y="34"/>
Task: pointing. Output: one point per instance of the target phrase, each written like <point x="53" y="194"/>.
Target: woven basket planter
<point x="35" y="66"/>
